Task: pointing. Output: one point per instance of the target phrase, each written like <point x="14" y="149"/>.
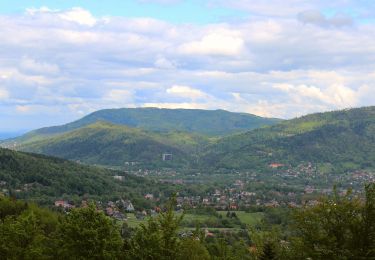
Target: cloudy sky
<point x="60" y="60"/>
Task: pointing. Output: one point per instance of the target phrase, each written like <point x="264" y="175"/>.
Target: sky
<point x="63" y="59"/>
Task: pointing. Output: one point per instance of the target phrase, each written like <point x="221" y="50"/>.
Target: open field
<point x="250" y="219"/>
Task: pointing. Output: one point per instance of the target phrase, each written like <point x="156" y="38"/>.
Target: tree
<point x="89" y="234"/>
<point x="268" y="252"/>
<point x="337" y="228"/>
<point x="158" y="239"/>
<point x="192" y="249"/>
<point x="11" y="207"/>
<point x="25" y="237"/>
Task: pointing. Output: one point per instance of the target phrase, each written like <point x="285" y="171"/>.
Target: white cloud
<point x="186" y="92"/>
<point x="338" y="96"/>
<point x="34" y="67"/>
<point x="4" y="94"/>
<point x="56" y="61"/>
<point x="78" y="15"/>
<point x="23" y="109"/>
<point x="163" y="63"/>
<point x="121" y="96"/>
<point x="219" y="42"/>
<point x="184" y="105"/>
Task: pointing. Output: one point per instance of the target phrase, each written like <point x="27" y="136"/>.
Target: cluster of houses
<point x="116" y="210"/>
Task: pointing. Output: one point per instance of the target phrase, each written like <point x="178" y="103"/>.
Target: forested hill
<point x="42" y="178"/>
<point x="113" y="145"/>
<point x="207" y="122"/>
<point x="343" y="139"/>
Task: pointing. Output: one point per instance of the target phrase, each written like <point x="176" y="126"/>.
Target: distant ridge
<point x="342" y="140"/>
<point x="207" y="122"/>
<point x="113" y="137"/>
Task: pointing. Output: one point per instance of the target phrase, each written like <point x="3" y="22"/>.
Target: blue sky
<point x="193" y="11"/>
<point x="60" y="60"/>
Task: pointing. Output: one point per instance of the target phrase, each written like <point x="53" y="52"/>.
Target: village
<point x="245" y="191"/>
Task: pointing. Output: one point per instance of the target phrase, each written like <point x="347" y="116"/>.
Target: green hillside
<point x="41" y="178"/>
<point x="114" y="145"/>
<point x="207" y="122"/>
<point x="343" y="139"/>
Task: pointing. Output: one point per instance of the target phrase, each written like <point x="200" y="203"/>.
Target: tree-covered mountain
<point x="116" y="145"/>
<point x="42" y="178"/>
<point x="335" y="141"/>
<point x="205" y="122"/>
<point x="342" y="139"/>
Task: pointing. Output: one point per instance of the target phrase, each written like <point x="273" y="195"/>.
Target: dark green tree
<point x="337" y="228"/>
<point x="89" y="234"/>
<point x="268" y="252"/>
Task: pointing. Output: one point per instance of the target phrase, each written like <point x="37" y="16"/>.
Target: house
<point x="149" y="196"/>
<point x="63" y="204"/>
<point x="129" y="206"/>
<point x="119" y="178"/>
<point x="126" y="205"/>
<point x="276" y="165"/>
<point x="167" y="157"/>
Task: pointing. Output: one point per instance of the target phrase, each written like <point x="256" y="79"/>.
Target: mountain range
<point x="116" y="137"/>
<point x="340" y="140"/>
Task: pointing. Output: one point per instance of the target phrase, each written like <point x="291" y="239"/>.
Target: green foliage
<point x="192" y="249"/>
<point x="207" y="122"/>
<point x="50" y="178"/>
<point x="88" y="234"/>
<point x="9" y="207"/>
<point x="28" y="234"/>
<point x="142" y="135"/>
<point x="158" y="239"/>
<point x="338" y="141"/>
<point x="338" y="228"/>
<point x="113" y="145"/>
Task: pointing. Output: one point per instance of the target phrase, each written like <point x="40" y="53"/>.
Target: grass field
<point x="250" y="219"/>
<point x="133" y="221"/>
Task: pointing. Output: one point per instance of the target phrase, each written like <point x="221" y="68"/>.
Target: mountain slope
<point x="42" y="178"/>
<point x="113" y="145"/>
<point x="344" y="139"/>
<point x="206" y="122"/>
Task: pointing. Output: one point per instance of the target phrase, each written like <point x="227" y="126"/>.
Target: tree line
<point x="339" y="227"/>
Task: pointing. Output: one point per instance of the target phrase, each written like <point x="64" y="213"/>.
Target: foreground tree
<point x="159" y="239"/>
<point x="338" y="228"/>
<point x="29" y="235"/>
<point x="86" y="233"/>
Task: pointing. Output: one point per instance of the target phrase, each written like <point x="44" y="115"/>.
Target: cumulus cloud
<point x="72" y="63"/>
<point x="79" y="15"/>
<point x="186" y="92"/>
<point x="220" y="42"/>
<point x="335" y="95"/>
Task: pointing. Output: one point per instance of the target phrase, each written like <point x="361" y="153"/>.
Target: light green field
<point x="197" y="218"/>
<point x="133" y="221"/>
<point x="250" y="219"/>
